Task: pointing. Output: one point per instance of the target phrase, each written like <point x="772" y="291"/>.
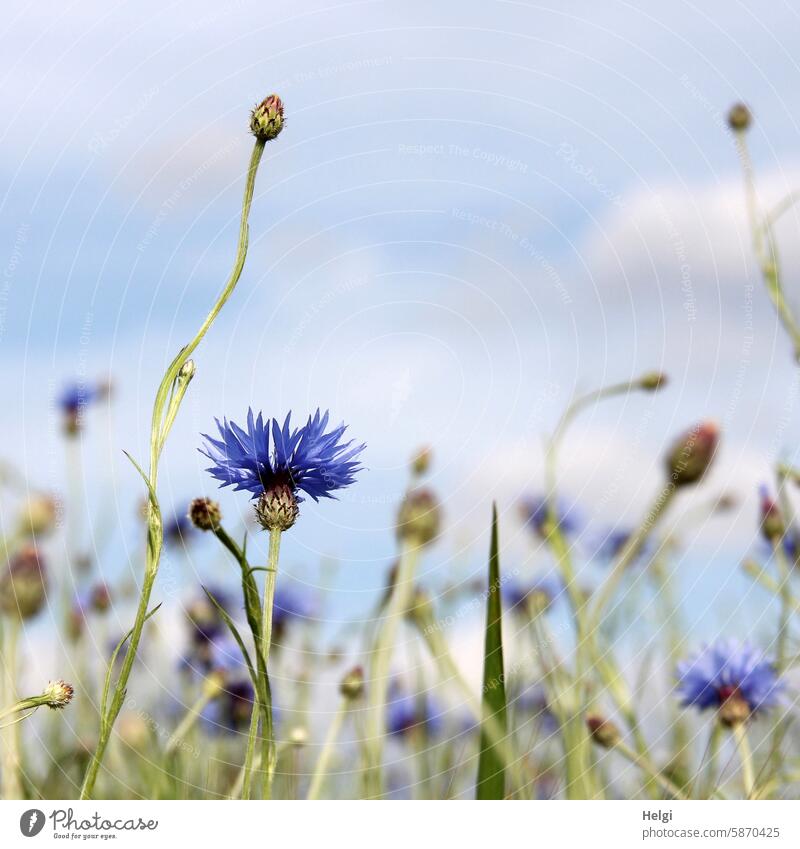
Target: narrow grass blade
<point x="491" y="782"/>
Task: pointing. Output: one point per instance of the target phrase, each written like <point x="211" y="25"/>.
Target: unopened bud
<point x="352" y="686"/>
<point x="733" y="710"/>
<point x="653" y="381"/>
<point x="187" y="371"/>
<point x="205" y="514"/>
<point x="739" y="118"/>
<point x="692" y="453"/>
<point x="23" y="584"/>
<point x="419" y="518"/>
<point x="604" y="732"/>
<point x="298" y="736"/>
<point x="421" y="461"/>
<point x="38" y="516"/>
<point x="100" y="599"/>
<point x="266" y="120"/>
<point x="276" y="508"/>
<point x="772" y="525"/>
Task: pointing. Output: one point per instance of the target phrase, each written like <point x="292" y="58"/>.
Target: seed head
<point x="266" y="120"/>
<point x="419" y="518"/>
<point x="692" y="453"/>
<point x="59" y="694"/>
<point x="276" y="508"/>
<point x="739" y="118"/>
<point x="205" y="514"/>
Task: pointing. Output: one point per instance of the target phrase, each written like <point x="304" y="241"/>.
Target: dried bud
<point x="205" y="514"/>
<point x="739" y="118"/>
<point x="772" y="525"/>
<point x="352" y="686"/>
<point x="266" y="120"/>
<point x="604" y="732"/>
<point x="23" y="584"/>
<point x="419" y="518"/>
<point x="59" y="694"/>
<point x="653" y="381"/>
<point x="421" y="461"/>
<point x="692" y="453"/>
<point x="276" y="508"/>
<point x="38" y="516"/>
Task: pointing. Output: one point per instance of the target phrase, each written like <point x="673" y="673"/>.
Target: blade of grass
<point x="491" y="783"/>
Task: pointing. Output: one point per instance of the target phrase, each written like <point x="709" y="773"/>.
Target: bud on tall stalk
<point x="692" y="453"/>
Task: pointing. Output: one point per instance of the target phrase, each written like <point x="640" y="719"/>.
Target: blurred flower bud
<point x="773" y="527"/>
<point x="23" y="584"/>
<point x="133" y="730"/>
<point x="419" y="518"/>
<point x="266" y="120"/>
<point x="59" y="694"/>
<point x="276" y="508"/>
<point x="38" y="516"/>
<point x="653" y="381"/>
<point x="739" y="118"/>
<point x="100" y="598"/>
<point x="187" y="371"/>
<point x="692" y="453"/>
<point x="604" y="732"/>
<point x="298" y="736"/>
<point x="205" y="514"/>
<point x="421" y="461"/>
<point x="352" y="686"/>
<point x="421" y="610"/>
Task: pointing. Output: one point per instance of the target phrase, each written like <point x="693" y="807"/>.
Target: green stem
<point x="167" y="392"/>
<point x="321" y="768"/>
<point x="787" y="604"/>
<point x="268" y="750"/>
<point x="745" y="758"/>
<point x="10" y="787"/>
<point x="397" y="606"/>
<point x="646" y="766"/>
<point x="714" y="740"/>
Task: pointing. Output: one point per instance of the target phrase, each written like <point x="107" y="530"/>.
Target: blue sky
<point x="475" y="210"/>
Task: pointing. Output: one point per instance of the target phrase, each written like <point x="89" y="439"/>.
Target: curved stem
<point x="158" y="436"/>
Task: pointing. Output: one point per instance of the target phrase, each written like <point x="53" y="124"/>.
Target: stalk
<point x="399" y="602"/>
<point x="745" y="758"/>
<point x="323" y="762"/>
<point x="10" y="786"/>
<point x="168" y="398"/>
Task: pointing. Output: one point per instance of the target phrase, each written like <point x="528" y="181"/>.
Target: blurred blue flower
<point x="178" y="529"/>
<point x="268" y="454"/>
<point x="728" y="670"/>
<point x="542" y="592"/>
<point x="75" y="396"/>
<point x="535" y="513"/>
<point x="408" y="713"/>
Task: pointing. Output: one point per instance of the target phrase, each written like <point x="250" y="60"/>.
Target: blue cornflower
<point x="275" y="463"/>
<point x="409" y="713"/>
<point x="535" y="510"/>
<point x="75" y="396"/>
<point x="535" y="596"/>
<point x="732" y="677"/>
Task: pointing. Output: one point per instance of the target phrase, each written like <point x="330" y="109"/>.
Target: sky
<point x="475" y="210"/>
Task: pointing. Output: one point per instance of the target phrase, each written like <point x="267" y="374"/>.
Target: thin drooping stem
<point x="647" y="767"/>
<point x="165" y="407"/>
<point x="380" y="666"/>
<point x="323" y="762"/>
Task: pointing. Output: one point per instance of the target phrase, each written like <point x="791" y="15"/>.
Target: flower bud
<point x="298" y="736"/>
<point x="100" y="598"/>
<point x="653" y="381"/>
<point x="352" y="686"/>
<point x="266" y="120"/>
<point x="419" y="518"/>
<point x="187" y="371"/>
<point x="23" y="584"/>
<point x="739" y="118"/>
<point x="59" y="694"/>
<point x="692" y="453"/>
<point x="205" y="514"/>
<point x="773" y="527"/>
<point x="421" y="461"/>
<point x="604" y="732"/>
<point x="38" y="516"/>
<point x="276" y="508"/>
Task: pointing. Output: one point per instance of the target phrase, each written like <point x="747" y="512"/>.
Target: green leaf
<point x="491" y="782"/>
